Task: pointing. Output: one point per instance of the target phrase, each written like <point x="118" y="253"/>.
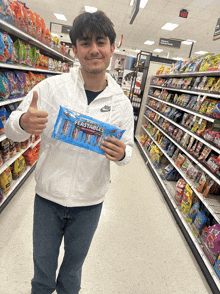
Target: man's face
<point x="94" y="53"/>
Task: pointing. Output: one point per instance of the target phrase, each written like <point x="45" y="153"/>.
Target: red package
<point x="180" y="186"/>
<point x="213" y="163"/>
<point x="217" y="139"/>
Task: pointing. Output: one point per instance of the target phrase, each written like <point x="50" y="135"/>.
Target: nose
<point x="94" y="48"/>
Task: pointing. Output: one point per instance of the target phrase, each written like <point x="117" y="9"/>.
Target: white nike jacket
<point x="67" y="174"/>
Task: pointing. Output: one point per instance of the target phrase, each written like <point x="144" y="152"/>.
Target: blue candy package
<point x="83" y="131"/>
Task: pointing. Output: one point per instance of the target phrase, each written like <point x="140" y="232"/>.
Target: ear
<point x="75" y="51"/>
<point x="112" y="49"/>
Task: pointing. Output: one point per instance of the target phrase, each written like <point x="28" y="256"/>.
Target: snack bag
<point x="5" y="180"/>
<point x="216" y="111"/>
<point x="193" y="212"/>
<point x="180" y="186"/>
<point x="187" y="199"/>
<point x="180" y="160"/>
<point x="212" y="246"/>
<point x="202" y="183"/>
<point x="19" y="167"/>
<point x="4" y="87"/>
<point x="202" y="128"/>
<point x="83" y="131"/>
<point x="18" y="45"/>
<point x="199" y="222"/>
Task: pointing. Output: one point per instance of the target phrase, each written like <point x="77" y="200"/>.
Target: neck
<point x="94" y="82"/>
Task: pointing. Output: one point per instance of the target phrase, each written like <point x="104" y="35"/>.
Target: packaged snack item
<point x="196" y="83"/>
<point x="212" y="246"/>
<point x="213" y="163"/>
<point x="185" y="140"/>
<point x="217" y="267"/>
<point x="3" y="118"/>
<point x="83" y="131"/>
<point x="27" y="54"/>
<point x="19" y="167"/>
<point x="196" y="125"/>
<point x="216" y="111"/>
<point x="180" y="186"/>
<point x="192" y="172"/>
<point x="192" y="139"/>
<point x="186" y="199"/>
<point x="193" y="147"/>
<point x="25" y="144"/>
<point x="5" y="148"/>
<point x="4" y="87"/>
<point x="209" y="84"/>
<point x="192" y="102"/>
<point x="202" y="127"/>
<point x="171" y="149"/>
<point x="14" y="86"/>
<point x="203" y="83"/>
<point x="18" y="45"/>
<point x="180" y="160"/>
<point x="209" y="135"/>
<point x="207" y="188"/>
<point x="216" y="140"/>
<point x="12" y="148"/>
<point x="205" y="153"/>
<point x="175" y="154"/>
<point x="204" y="106"/>
<point x="199" y="102"/>
<point x="18" y="146"/>
<point x="198" y="149"/>
<point x="210" y="108"/>
<point x="185" y="165"/>
<point x="179" y="135"/>
<point x="202" y="183"/>
<point x="193" y="212"/>
<point x="5" y="180"/>
<point x="199" y="222"/>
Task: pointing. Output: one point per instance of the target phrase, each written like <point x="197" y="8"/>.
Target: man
<point x="71" y="182"/>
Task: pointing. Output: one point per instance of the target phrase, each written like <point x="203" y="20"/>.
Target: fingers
<point x="114" y="148"/>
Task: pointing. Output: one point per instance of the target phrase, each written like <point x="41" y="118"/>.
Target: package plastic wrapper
<point x="83" y="131"/>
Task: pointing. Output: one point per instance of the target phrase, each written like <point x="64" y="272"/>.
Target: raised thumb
<point x="34" y="100"/>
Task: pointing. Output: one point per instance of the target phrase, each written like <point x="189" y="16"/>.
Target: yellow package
<point x="18" y="168"/>
<point x="187" y="200"/>
<point x="5" y="180"/>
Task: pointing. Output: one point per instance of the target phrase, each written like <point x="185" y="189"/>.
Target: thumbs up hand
<point x="34" y="120"/>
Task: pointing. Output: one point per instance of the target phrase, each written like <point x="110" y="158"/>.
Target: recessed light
<point x="60" y="16"/>
<point x="149" y="42"/>
<point x="169" y="26"/>
<point x="158" y="50"/>
<point x="137" y="50"/>
<point x="188" y="42"/>
<point x="201" y="52"/>
<point x="142" y="4"/>
<point x="90" y="9"/>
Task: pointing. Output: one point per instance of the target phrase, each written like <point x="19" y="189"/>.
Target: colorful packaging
<point x="19" y="167"/>
<point x="83" y="131"/>
<point x="193" y="212"/>
<point x="187" y="199"/>
<point x="5" y="180"/>
<point x="180" y="160"/>
<point x="199" y="222"/>
<point x="212" y="246"/>
<point x="4" y="86"/>
<point x="180" y="187"/>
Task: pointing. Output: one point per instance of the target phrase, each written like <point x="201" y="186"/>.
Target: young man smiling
<point x="71" y="182"/>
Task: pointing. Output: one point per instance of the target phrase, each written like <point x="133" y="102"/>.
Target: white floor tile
<point x="137" y="248"/>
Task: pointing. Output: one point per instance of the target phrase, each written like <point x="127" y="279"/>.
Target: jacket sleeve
<point x="127" y="124"/>
<point x="12" y="127"/>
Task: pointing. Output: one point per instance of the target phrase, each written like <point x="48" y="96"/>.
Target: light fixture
<point x="149" y="42"/>
<point x="90" y="9"/>
<point x="60" y="16"/>
<point x="188" y="42"/>
<point x="158" y="50"/>
<point x="201" y="52"/>
<point x="177" y="58"/>
<point x="143" y="3"/>
<point x="137" y="50"/>
<point x="169" y="26"/>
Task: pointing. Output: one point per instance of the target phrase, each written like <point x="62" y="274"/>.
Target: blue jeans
<point x="52" y="222"/>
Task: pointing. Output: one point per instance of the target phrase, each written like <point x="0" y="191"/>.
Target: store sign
<point x="216" y="125"/>
<point x="66" y="29"/>
<point x="217" y="31"/>
<point x="170" y="43"/>
<point x="183" y="13"/>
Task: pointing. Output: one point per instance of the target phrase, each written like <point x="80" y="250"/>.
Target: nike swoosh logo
<point x="106" y="108"/>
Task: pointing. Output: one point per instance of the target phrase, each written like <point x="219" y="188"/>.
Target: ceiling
<point x="199" y="26"/>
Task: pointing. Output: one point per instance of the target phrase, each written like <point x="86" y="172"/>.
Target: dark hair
<point x="92" y="23"/>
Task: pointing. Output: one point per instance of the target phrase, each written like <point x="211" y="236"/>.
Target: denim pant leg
<point x="79" y="231"/>
<point x="47" y="238"/>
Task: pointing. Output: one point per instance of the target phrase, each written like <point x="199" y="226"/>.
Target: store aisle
<point x="137" y="249"/>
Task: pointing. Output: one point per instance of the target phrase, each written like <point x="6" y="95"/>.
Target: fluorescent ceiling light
<point x="137" y="50"/>
<point x="188" y="42"/>
<point x="169" y="26"/>
<point x="90" y="9"/>
<point x="142" y="4"/>
<point x="201" y="52"/>
<point x="60" y="16"/>
<point x="158" y="50"/>
<point x="149" y="42"/>
<point x="177" y="58"/>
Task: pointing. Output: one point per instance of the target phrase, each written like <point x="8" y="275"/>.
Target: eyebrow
<point x="87" y="38"/>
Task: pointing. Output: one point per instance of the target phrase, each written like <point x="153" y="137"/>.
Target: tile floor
<point x="137" y="248"/>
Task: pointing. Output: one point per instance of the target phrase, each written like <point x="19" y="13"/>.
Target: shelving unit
<point x="212" y="203"/>
<point x="44" y="49"/>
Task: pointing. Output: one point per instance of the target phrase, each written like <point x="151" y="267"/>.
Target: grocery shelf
<point x="20" y="34"/>
<point x="192" y="185"/>
<point x="186" y="152"/>
<point x="193" y="242"/>
<point x="183" y="108"/>
<point x="190" y="74"/>
<point x="15" y="185"/>
<point x="217" y="96"/>
<point x="9" y="101"/>
<point x="186" y="131"/>
<point x="27" y="68"/>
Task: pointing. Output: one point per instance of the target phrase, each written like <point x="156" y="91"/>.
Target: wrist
<point x="20" y="123"/>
